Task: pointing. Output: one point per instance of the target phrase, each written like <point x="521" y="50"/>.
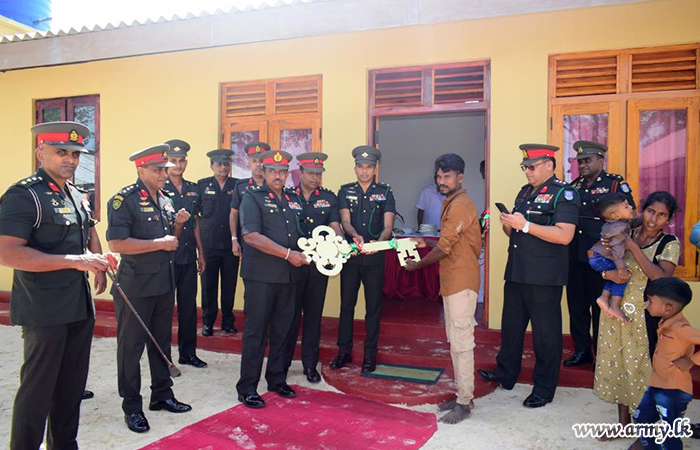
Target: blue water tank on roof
<point x="33" y="13"/>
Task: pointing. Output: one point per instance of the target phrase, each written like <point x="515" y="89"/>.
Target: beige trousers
<point x="459" y="326"/>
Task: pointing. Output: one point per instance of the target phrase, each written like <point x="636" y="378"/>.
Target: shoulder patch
<point x="569" y="194"/>
<point x="624" y="187"/>
<point x="117" y="202"/>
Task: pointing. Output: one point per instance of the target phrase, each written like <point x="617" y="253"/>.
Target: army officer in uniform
<point x="189" y="257"/>
<point x="585" y="284"/>
<point x="540" y="228"/>
<point x="367" y="210"/>
<point x="47" y="236"/>
<point x="253" y="151"/>
<point x="318" y="206"/>
<point x="215" y="197"/>
<point x="144" y="228"/>
<point x="269" y="271"/>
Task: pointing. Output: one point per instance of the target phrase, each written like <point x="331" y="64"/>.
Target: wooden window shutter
<point x="458" y="84"/>
<point x="586" y="76"/>
<point x="397" y="88"/>
<point x="664" y="71"/>
<point x="244" y="99"/>
<point x="298" y="96"/>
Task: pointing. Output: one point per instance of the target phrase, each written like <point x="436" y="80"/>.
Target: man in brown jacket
<point x="457" y="250"/>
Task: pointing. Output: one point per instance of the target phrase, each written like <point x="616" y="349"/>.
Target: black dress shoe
<point x="207" y="330"/>
<point x="579" y="358"/>
<point x="489" y="375"/>
<point x="283" y="390"/>
<point x="137" y="422"/>
<point x="88" y="394"/>
<point x="251" y="400"/>
<point x="312" y="375"/>
<point x="192" y="361"/>
<point x="171" y="405"/>
<point x="229" y="329"/>
<point x="340" y="361"/>
<point x="369" y="364"/>
<point x="535" y="401"/>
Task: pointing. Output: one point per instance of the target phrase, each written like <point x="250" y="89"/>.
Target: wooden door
<point x="236" y="136"/>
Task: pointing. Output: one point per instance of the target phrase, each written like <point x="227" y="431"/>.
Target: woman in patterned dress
<point x="623" y="367"/>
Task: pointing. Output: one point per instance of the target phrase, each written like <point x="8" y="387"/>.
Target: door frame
<point x="482" y="106"/>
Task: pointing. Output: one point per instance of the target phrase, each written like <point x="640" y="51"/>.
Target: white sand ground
<point x="499" y="422"/>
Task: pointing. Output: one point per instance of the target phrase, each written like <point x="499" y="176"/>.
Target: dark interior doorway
<point x="409" y="145"/>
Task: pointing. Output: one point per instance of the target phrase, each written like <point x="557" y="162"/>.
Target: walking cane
<point x="172" y="368"/>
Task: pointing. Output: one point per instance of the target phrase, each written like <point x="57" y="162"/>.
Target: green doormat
<point x="413" y="374"/>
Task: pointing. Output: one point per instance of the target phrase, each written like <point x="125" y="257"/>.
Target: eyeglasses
<point x="530" y="167"/>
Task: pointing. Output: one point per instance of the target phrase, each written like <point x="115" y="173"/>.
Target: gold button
<point x="67" y="222"/>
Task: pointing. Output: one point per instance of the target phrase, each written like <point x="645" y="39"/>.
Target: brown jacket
<point x="460" y="239"/>
<point x="677" y="339"/>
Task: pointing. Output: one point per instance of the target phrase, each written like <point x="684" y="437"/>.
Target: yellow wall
<point x="145" y="100"/>
<point x="9" y="26"/>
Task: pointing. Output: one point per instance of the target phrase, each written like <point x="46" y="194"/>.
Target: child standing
<point x="671" y="386"/>
<point x="617" y="213"/>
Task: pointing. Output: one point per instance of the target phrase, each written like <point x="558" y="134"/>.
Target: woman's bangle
<point x="289" y="250"/>
<point x="603" y="273"/>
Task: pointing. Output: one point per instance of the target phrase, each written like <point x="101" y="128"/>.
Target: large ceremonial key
<point x="405" y="248"/>
<point x="330" y="251"/>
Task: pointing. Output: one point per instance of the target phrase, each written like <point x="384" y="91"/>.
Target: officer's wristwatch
<point x="526" y="228"/>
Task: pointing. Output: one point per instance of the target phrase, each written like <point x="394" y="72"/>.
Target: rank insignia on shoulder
<point x="624" y="187"/>
<point x="569" y="195"/>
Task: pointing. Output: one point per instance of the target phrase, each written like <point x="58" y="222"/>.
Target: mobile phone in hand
<point x="502" y="208"/>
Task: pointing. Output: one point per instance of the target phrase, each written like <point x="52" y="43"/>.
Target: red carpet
<point x="312" y="420"/>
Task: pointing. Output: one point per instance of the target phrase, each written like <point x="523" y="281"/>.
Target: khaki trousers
<point x="459" y="326"/>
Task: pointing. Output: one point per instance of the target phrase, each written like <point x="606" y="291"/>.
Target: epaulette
<point x="129" y="189"/>
<point x="347" y="184"/>
<point x="190" y="183"/>
<point x="255" y="188"/>
<point x="204" y="180"/>
<point x="384" y="185"/>
<point x="561" y="182"/>
<point x="324" y="189"/>
<point x="29" y="181"/>
<point x="614" y="176"/>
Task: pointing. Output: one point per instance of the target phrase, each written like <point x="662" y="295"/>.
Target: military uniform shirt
<point x="320" y="209"/>
<point x="215" y="208"/>
<point x="188" y="199"/>
<point x="262" y="212"/>
<point x="239" y="190"/>
<point x="132" y="213"/>
<point x="367" y="214"/>
<point x="532" y="260"/>
<point x="590" y="222"/>
<point x="56" y="222"/>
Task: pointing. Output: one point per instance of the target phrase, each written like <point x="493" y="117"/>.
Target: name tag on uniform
<point x="62" y="210"/>
<point x="149" y="209"/>
<point x="544" y="198"/>
<point x="295" y="205"/>
<point x="351" y="197"/>
<point x="322" y="204"/>
<point x="210" y="192"/>
<point x="600" y="190"/>
<point x="377" y="198"/>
